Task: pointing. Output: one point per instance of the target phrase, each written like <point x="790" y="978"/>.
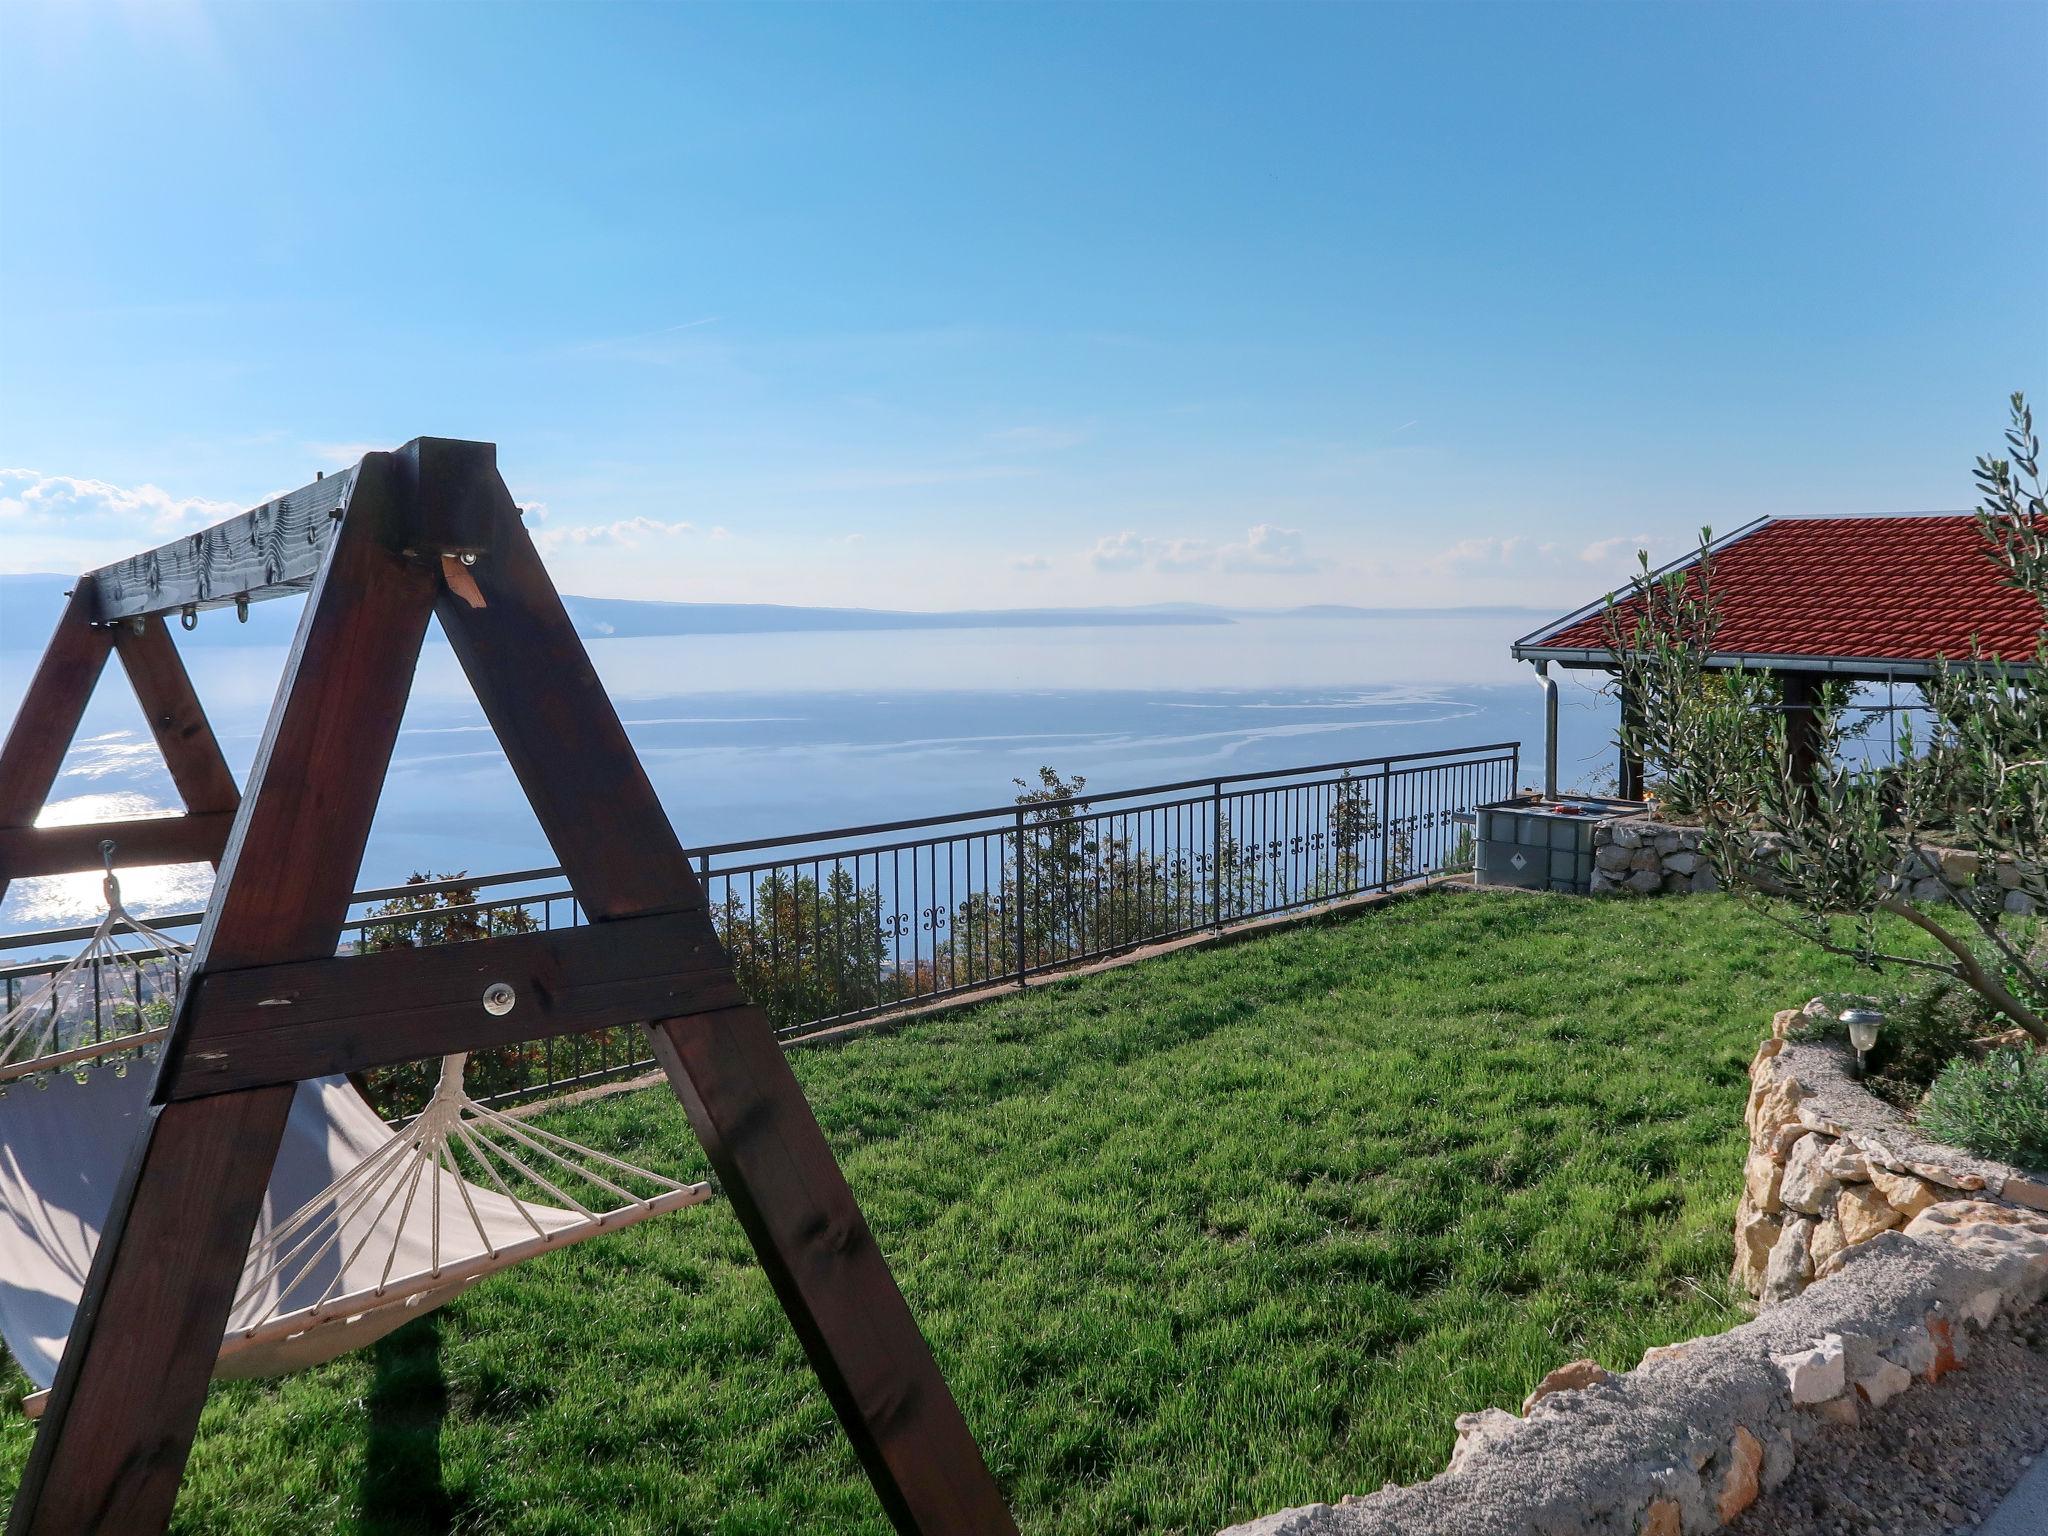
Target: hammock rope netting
<point x="363" y="1227"/>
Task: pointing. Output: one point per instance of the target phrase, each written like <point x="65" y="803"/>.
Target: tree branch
<point x="1971" y="968"/>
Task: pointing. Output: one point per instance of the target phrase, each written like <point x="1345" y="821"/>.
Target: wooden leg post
<point x="164" y="690"/>
<point x="622" y="857"/>
<point x="113" y="1441"/>
<point x="49" y="714"/>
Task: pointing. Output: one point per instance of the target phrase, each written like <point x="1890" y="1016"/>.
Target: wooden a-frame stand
<point x="428" y="530"/>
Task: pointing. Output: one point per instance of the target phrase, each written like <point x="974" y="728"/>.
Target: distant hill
<point x="29" y="606"/>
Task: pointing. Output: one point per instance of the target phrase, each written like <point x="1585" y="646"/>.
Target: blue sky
<point x="1014" y="305"/>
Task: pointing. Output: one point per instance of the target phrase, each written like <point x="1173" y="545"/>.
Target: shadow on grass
<point x="402" y="1492"/>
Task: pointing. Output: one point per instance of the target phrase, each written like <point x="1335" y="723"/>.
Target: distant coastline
<point x="29" y="605"/>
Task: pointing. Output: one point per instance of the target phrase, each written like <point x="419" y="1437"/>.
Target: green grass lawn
<point x="1223" y="1231"/>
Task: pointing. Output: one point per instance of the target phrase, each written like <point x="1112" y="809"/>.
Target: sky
<point x="1022" y="305"/>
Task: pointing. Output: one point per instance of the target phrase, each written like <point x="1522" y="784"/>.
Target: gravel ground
<point x="1934" y="1461"/>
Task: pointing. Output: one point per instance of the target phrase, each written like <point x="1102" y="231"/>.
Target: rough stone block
<point x="1826" y="1243"/>
<point x="1814" y="1374"/>
<point x="1644" y="881"/>
<point x="1914" y="1351"/>
<point x="1477" y="1432"/>
<point x="1903" y="1192"/>
<point x="1807" y="1185"/>
<point x="1863" y="1214"/>
<point x="1740" y="1484"/>
<point x="1662" y="1519"/>
<point x="2019" y="903"/>
<point x="1683" y="862"/>
<point x="1761" y="1176"/>
<point x="1882" y="1382"/>
<point x="1791" y="1264"/>
<point x="1611" y="857"/>
<point x="1574" y="1376"/>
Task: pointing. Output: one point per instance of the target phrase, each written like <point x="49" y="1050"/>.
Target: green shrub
<point x="1996" y="1107"/>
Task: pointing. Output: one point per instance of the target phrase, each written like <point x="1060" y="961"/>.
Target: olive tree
<point x="1827" y="846"/>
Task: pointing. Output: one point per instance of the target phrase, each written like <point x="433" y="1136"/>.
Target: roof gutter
<point x="1874" y="667"/>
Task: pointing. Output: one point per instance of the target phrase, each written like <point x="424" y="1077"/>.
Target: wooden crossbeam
<point x="276" y="549"/>
<point x="189" y="839"/>
<point x="286" y="1023"/>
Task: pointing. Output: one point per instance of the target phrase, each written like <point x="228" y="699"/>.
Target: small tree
<point x="1819" y="848"/>
<point x="450" y="915"/>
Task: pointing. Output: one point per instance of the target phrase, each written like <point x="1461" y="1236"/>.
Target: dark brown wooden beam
<point x="114" y="1438"/>
<point x="571" y="753"/>
<point x="28" y="851"/>
<point x="449" y="486"/>
<point x="1802" y="724"/>
<point x="176" y="719"/>
<point x="1631" y="782"/>
<point x="286" y="1023"/>
<point x="50" y="710"/>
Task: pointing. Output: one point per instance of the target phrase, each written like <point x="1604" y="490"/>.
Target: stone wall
<point x="1641" y="856"/>
<point x="1832" y="1166"/>
<point x="1897" y="1254"/>
<point x="1693" y="1435"/>
<point x="1646" y="858"/>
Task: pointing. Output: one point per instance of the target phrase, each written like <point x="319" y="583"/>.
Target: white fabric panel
<point x="62" y="1152"/>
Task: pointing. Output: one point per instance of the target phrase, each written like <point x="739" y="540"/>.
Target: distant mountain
<point x="618" y="616"/>
<point x="29" y="606"/>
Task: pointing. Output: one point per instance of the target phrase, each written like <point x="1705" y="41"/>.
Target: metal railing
<point x="830" y="927"/>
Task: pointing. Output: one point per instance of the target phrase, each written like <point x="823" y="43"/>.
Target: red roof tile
<point x="1883" y="588"/>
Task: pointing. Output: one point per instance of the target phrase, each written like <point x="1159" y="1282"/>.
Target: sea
<point x="760" y="735"/>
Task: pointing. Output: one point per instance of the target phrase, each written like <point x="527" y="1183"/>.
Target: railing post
<point x="1023" y="967"/>
<point x="1216" y="853"/>
<point x="1386" y="822"/>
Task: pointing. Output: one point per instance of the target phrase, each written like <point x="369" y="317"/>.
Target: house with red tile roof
<point x="1864" y="599"/>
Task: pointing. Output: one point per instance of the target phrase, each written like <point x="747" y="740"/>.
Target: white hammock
<point x="361" y="1229"/>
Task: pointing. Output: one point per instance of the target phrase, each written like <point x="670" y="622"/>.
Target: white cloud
<point x="1030" y="563"/>
<point x="1266" y="550"/>
<point x="1119" y="552"/>
<point x="627" y="533"/>
<point x="1601" y="551"/>
<point x="31" y="498"/>
<point x="1271" y="550"/>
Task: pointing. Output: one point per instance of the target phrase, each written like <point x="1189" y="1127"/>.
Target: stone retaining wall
<point x="1645" y="857"/>
<point x="1693" y="1435"/>
<point x="1922" y="1249"/>
<point x="1831" y="1166"/>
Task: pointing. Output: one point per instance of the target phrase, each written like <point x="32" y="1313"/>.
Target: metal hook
<point x="111" y="886"/>
<point x="188" y="618"/>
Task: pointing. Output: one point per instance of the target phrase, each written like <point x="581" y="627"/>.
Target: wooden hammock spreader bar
<point x="286" y="1023"/>
<point x="429" y="528"/>
<point x="188" y="839"/>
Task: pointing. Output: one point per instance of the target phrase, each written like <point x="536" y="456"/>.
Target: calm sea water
<point x="758" y="735"/>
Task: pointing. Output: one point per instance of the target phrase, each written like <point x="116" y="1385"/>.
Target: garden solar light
<point x="1864" y="1024"/>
